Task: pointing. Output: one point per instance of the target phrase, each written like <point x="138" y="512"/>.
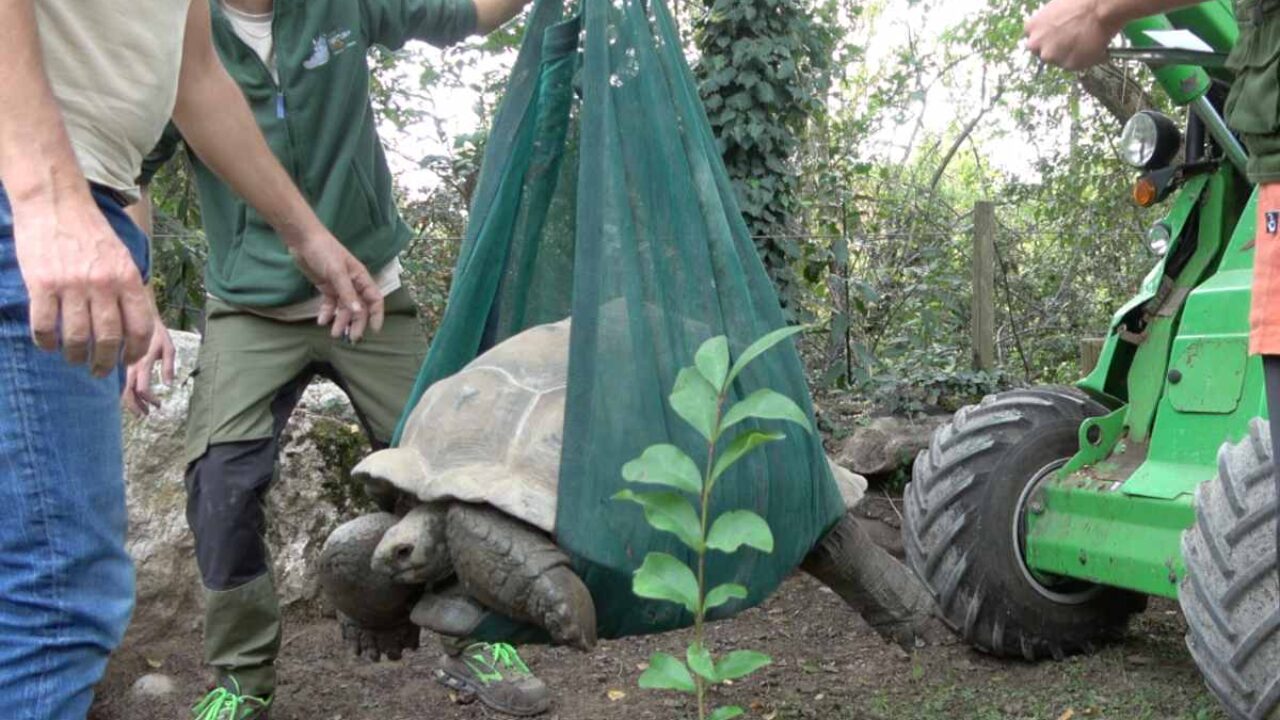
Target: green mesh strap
<point x="494" y="280"/>
<point x="618" y="208"/>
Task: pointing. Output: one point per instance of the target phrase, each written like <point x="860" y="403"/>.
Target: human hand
<point x="1072" y="34"/>
<point x="352" y="300"/>
<point x="86" y="293"/>
<point x="137" y="396"/>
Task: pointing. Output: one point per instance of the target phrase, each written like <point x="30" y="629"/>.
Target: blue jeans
<point x="66" y="582"/>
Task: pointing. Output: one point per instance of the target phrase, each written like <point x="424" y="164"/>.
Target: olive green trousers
<point x="250" y="374"/>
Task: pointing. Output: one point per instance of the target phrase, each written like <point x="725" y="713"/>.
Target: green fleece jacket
<point x="320" y="124"/>
<point x="1253" y="107"/>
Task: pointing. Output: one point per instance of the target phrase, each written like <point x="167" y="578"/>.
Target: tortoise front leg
<point x="373" y="610"/>
<point x="884" y="591"/>
<point x="519" y="572"/>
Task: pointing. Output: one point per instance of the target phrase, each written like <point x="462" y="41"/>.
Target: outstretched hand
<point x="137" y="396"/>
<point x="352" y="300"/>
<point x="1072" y="34"/>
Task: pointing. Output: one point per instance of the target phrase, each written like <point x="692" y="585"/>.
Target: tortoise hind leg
<point x="884" y="591"/>
<point x="519" y="572"/>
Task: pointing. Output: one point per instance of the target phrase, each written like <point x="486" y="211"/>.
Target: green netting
<point x="603" y="195"/>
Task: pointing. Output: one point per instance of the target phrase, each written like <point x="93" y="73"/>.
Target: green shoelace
<point x="223" y="703"/>
<point x="500" y="656"/>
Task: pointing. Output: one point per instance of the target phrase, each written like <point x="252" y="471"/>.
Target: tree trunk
<point x="1119" y="93"/>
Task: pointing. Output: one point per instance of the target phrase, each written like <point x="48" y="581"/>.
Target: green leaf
<point x="667" y="673"/>
<point x="760" y="346"/>
<point x="712" y="360"/>
<point x="669" y="512"/>
<point x="734" y="529"/>
<point x="700" y="662"/>
<point x="695" y="401"/>
<point x="724" y="713"/>
<point x="722" y="594"/>
<point x="741" y="663"/>
<point x="766" y="405"/>
<point x="665" y="465"/>
<point x="741" y="445"/>
<point x="663" y="577"/>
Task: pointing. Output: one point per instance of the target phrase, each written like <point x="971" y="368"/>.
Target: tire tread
<point x="1230" y="592"/>
<point x="941" y="526"/>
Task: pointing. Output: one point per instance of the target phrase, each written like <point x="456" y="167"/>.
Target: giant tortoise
<point x="475" y="480"/>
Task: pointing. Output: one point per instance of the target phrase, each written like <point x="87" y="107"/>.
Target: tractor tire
<point x="1230" y="594"/>
<point x="962" y="507"/>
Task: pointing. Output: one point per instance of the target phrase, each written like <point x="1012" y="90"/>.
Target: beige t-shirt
<point x="113" y="67"/>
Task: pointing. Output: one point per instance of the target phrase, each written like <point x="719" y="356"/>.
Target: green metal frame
<point x="1179" y="388"/>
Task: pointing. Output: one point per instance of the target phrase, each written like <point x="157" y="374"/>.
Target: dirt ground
<point x="827" y="664"/>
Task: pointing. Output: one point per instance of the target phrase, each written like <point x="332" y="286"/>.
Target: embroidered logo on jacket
<point x="325" y="46"/>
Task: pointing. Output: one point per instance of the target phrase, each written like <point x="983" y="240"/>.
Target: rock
<point x="888" y="444"/>
<point x="310" y="496"/>
<point x="154" y="685"/>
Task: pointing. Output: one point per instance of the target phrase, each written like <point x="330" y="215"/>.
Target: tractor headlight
<point x="1150" y="140"/>
<point x="1158" y="239"/>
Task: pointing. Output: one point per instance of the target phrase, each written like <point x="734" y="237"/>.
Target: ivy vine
<point x="764" y="70"/>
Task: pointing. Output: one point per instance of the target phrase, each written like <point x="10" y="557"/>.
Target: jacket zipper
<point x="277" y="86"/>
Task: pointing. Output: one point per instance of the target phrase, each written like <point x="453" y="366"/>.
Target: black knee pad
<point x="226" y="492"/>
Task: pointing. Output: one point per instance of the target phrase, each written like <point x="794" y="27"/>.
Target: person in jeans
<point x="303" y="68"/>
<point x="86" y="90"/>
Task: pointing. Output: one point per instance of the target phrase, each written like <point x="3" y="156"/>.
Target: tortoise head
<point x="415" y="550"/>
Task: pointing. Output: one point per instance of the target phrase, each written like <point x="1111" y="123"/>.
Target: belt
<point x="111" y="194"/>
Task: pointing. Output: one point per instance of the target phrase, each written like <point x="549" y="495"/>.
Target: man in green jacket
<point x="302" y="66"/>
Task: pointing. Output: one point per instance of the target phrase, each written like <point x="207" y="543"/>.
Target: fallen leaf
<point x="615" y="695"/>
<point x="1067" y="715"/>
<point x="155" y="664"/>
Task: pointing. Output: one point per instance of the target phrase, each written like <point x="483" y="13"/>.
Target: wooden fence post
<point x="983" y="317"/>
<point x="1090" y="352"/>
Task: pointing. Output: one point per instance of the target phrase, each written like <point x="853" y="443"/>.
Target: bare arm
<point x="216" y="123"/>
<point x="1074" y="34"/>
<point x="78" y="274"/>
<point x="493" y="14"/>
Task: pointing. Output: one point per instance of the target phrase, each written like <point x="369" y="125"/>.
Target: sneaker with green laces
<point x="226" y="702"/>
<point x="495" y="675"/>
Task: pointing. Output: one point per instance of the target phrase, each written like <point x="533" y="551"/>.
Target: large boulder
<point x="888" y="444"/>
<point x="311" y="495"/>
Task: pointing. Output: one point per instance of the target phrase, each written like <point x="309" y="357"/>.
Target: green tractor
<point x="1041" y="519"/>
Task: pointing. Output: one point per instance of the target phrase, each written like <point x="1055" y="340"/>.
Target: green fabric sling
<point x="603" y="196"/>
